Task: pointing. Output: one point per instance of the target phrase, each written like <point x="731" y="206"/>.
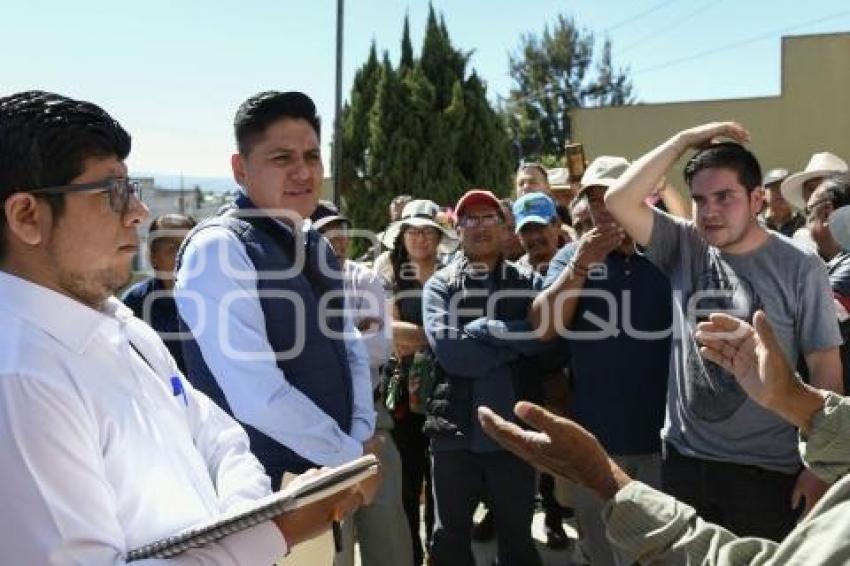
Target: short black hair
<point x="168" y="222"/>
<point x="533" y="165"/>
<point x="260" y="111"/>
<point x="726" y="155"/>
<point x="837" y="189"/>
<point x="45" y="140"/>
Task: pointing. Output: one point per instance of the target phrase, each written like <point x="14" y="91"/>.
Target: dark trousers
<point x="553" y="510"/>
<point x="747" y="500"/>
<point x="415" y="467"/>
<point x="460" y="478"/>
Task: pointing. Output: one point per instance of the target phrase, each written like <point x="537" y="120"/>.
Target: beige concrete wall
<point x="327" y="191"/>
<point x="811" y="114"/>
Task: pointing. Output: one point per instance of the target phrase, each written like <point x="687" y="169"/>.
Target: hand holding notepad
<point x="312" y="519"/>
<point x="301" y="510"/>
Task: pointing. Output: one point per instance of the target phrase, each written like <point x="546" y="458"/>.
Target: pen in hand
<point x="337" y="532"/>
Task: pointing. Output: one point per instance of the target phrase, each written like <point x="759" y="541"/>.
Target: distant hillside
<point x="212" y="184"/>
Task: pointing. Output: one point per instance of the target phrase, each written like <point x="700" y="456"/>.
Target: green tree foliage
<point x="406" y="47"/>
<point x="441" y="63"/>
<point x="553" y="74"/>
<point x="424" y="128"/>
<point x="355" y="123"/>
<point x="483" y="138"/>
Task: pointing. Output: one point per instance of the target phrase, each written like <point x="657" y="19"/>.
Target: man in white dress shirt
<point x="105" y="446"/>
<point x="382" y="528"/>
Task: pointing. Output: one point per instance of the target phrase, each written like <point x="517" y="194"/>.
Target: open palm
<point x="751" y="353"/>
<point x="559" y="446"/>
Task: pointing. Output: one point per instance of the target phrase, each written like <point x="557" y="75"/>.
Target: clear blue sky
<point x="173" y="72"/>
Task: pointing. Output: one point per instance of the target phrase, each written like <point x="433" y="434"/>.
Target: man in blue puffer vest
<point x="261" y="299"/>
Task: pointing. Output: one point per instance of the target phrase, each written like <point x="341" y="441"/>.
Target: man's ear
<point x="757" y="200"/>
<point x="237" y="163"/>
<point x="27" y="221"/>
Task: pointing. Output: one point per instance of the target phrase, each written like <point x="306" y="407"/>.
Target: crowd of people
<point x="667" y="368"/>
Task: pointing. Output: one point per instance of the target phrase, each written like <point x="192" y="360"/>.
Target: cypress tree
<point x="425" y="129"/>
<point x="355" y="121"/>
<point x="441" y="63"/>
<point x="406" y="61"/>
<point x="485" y="158"/>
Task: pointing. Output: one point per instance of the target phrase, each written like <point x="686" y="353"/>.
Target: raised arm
<point x="554" y="308"/>
<point x="676" y="203"/>
<point x="626" y="198"/>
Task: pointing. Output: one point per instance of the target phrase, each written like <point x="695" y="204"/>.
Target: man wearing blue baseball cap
<point x="539" y="230"/>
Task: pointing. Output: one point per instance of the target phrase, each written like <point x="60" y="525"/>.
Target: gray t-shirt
<point x="708" y="414"/>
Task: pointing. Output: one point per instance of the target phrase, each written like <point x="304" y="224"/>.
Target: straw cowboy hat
<point x="603" y="172"/>
<point x="419" y="213"/>
<point x="820" y="165"/>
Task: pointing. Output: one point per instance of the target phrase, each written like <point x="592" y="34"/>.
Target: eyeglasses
<point x="483" y="221"/>
<point x="423" y="232"/>
<point x="120" y="189"/>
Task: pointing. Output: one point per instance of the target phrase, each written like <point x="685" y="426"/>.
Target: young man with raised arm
<point x="725" y="261"/>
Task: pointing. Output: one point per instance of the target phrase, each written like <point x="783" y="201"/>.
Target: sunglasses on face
<point x="119" y="189"/>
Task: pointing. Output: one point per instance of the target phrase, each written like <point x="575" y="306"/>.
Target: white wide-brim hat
<point x="420" y="213"/>
<point x="559" y="178"/>
<point x="820" y="165"/>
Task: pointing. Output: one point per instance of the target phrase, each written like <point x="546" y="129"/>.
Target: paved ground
<point x="485" y="553"/>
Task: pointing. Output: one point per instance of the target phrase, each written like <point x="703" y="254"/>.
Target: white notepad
<point x="295" y="495"/>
